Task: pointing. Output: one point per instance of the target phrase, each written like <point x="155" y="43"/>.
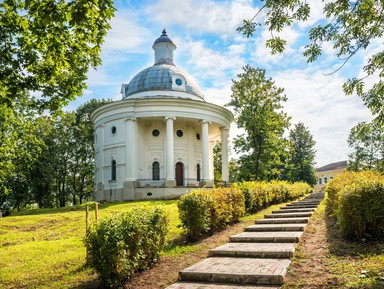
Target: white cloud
<point x="208" y="64"/>
<point x="319" y="102"/>
<point x="263" y="55"/>
<point x="198" y="16"/>
<point x="126" y="34"/>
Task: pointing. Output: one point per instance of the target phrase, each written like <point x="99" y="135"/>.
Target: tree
<point x="301" y="155"/>
<point x="350" y="26"/>
<point x="257" y="105"/>
<point x="217" y="165"/>
<point x="20" y="146"/>
<point x="46" y="49"/>
<point x="82" y="166"/>
<point x="367" y="141"/>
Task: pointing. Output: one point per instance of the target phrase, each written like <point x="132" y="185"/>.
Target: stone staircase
<point x="256" y="258"/>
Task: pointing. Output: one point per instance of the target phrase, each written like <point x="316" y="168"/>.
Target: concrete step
<point x="302" y="205"/>
<point x="237" y="270"/>
<point x="288" y="215"/>
<point x="254" y="250"/>
<point x="275" y="227"/>
<point x="263" y="237"/>
<point x="282" y="221"/>
<point x="298" y="207"/>
<point x="294" y="210"/>
<point x="306" y="202"/>
<point x="195" y="285"/>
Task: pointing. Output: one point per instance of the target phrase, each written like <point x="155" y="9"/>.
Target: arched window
<point x="113" y="170"/>
<point x="156" y="171"/>
<point x="198" y="172"/>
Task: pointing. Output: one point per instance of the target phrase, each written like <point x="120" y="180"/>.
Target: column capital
<point x="169" y="117"/>
<point x="130" y="118"/>
<point x="203" y="121"/>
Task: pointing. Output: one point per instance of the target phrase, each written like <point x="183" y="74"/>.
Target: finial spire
<point x="164" y="33"/>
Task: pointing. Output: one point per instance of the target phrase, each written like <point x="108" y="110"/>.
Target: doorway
<point x="179" y="174"/>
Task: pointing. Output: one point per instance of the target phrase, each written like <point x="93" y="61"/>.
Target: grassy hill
<point x="44" y="248"/>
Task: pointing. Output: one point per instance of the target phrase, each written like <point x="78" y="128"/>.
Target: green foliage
<point x="53" y="159"/>
<point x="259" y="195"/>
<point x="350" y="26"/>
<point x="257" y="105"/>
<point x="356" y="199"/>
<point x="203" y="212"/>
<point x="48" y="46"/>
<point x="301" y="156"/>
<point x="123" y="244"/>
<point x="367" y="142"/>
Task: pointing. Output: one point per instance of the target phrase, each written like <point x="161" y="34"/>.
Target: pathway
<point x="259" y="257"/>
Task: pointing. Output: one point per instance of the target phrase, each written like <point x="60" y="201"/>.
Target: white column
<point x="211" y="169"/>
<point x="101" y="148"/>
<point x="224" y="154"/>
<point x="205" y="150"/>
<point x="130" y="149"/>
<point x="170" y="166"/>
<point x="191" y="153"/>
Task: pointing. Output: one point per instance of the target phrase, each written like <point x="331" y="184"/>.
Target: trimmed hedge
<point x="259" y="195"/>
<point x="204" y="212"/>
<point x="122" y="244"/>
<point x="357" y="199"/>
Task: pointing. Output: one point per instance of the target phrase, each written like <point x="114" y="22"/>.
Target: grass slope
<point x="44" y="249"/>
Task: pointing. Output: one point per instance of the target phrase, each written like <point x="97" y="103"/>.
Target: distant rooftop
<point x="333" y="166"/>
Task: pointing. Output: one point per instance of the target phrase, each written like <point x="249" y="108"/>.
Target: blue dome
<point x="163" y="76"/>
<point x="160" y="77"/>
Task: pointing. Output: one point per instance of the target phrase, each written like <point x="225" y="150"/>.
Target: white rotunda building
<point x="157" y="141"/>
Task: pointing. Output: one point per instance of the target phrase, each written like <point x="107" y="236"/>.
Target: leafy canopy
<point x="47" y="47"/>
<point x="301" y="155"/>
<point x="350" y="26"/>
<point x="257" y="103"/>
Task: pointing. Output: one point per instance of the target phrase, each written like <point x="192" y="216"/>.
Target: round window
<point x="198" y="136"/>
<point x="113" y="130"/>
<point x="155" y="132"/>
<point x="178" y="81"/>
<point x="179" y="133"/>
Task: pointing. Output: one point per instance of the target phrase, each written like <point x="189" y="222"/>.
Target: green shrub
<point x="259" y="195"/>
<point x="335" y="186"/>
<point x="203" y="212"/>
<point x="357" y="200"/>
<point x="120" y="245"/>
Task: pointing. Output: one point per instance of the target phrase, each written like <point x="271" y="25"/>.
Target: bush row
<point x="356" y="199"/>
<point x="259" y="195"/>
<point x="203" y="212"/>
<point x="122" y="244"/>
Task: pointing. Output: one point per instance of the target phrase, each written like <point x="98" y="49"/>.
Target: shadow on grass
<point x="339" y="245"/>
<point x="365" y="256"/>
<point x="81" y="207"/>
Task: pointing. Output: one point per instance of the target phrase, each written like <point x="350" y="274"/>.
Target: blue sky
<point x="211" y="50"/>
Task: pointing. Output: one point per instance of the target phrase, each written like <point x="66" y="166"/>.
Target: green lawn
<point x="44" y="249"/>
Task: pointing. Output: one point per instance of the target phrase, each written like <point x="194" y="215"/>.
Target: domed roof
<point x="163" y="79"/>
<point x="163" y="38"/>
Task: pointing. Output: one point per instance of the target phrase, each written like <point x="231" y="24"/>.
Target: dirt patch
<point x="308" y="268"/>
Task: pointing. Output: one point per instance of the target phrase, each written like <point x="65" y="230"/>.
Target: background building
<point x="327" y="173"/>
<point x="158" y="140"/>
